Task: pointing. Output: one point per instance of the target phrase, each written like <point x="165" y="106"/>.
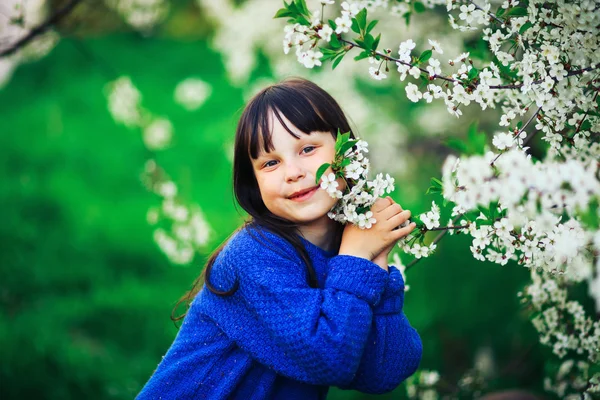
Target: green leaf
<point x="372" y="25"/>
<point x="340" y="140"/>
<point x="369" y="39"/>
<point x="302" y="20"/>
<point x="321" y="171"/>
<point x="426" y="55"/>
<point x="334" y="42"/>
<point x="473" y="73"/>
<point x="476" y="140"/>
<point x="419" y="7"/>
<point x="283" y="13"/>
<point x="362" y="55"/>
<point x="457" y="145"/>
<point x="338" y="60"/>
<point x="346" y="162"/>
<point x="347" y="146"/>
<point x="355" y="26"/>
<point x="433" y="190"/>
<point x="500" y="11"/>
<point x="519" y="124"/>
<point x="517" y="12"/>
<point x="333" y="25"/>
<point x="361" y="19"/>
<point x="436" y="182"/>
<point x="407" y="18"/>
<point x="525" y="26"/>
<point x="376" y="43"/>
<point x="301" y="4"/>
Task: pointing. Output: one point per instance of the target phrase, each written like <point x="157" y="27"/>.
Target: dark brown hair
<point x="309" y="108"/>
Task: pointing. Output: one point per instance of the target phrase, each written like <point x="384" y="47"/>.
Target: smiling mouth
<point x="304" y="195"/>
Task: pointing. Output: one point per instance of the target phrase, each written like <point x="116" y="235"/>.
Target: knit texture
<point x="278" y="338"/>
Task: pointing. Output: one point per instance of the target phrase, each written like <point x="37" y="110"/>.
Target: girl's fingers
<point x="399" y="219"/>
<point x="381" y="204"/>
<point x="392" y="202"/>
<point x="390" y="211"/>
<point x="402" y="232"/>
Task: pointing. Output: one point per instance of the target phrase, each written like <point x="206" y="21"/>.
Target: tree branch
<point x="38" y="30"/>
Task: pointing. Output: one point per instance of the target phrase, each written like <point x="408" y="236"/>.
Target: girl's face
<point x="291" y="168"/>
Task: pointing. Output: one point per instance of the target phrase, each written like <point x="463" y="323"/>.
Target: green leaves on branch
<point x="343" y="143"/>
<point x="425" y="56"/>
<point x="436" y="186"/>
<point x="321" y="171"/>
<point x="296" y="11"/>
<point x="419" y="7"/>
<point x="475" y="143"/>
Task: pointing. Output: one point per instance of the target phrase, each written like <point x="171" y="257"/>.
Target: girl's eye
<point x="268" y="163"/>
<point x="310" y="149"/>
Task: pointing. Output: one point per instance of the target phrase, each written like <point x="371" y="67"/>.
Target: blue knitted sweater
<point x="278" y="338"/>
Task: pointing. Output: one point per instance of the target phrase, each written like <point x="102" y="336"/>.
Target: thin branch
<point x="38" y="30"/>
<point x="528" y="138"/>
<point x="437" y="239"/>
<point x="445" y="78"/>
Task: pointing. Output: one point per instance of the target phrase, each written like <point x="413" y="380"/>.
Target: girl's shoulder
<point x="257" y="243"/>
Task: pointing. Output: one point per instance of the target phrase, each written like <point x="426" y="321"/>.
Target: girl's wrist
<point x="353" y="252"/>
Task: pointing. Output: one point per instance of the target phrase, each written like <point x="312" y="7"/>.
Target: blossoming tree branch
<point x="542" y="72"/>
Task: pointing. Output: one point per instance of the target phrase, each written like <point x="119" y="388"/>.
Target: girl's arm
<point x="311" y="335"/>
<point x="394" y="348"/>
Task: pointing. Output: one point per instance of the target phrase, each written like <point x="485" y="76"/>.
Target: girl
<point x="293" y="302"/>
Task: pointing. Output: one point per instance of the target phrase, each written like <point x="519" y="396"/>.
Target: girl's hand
<point x="369" y="243"/>
<point x="382" y="258"/>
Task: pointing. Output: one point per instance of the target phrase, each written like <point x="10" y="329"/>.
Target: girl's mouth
<point x="305" y="196"/>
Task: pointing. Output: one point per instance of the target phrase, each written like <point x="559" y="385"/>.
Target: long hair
<point x="309" y="108"/>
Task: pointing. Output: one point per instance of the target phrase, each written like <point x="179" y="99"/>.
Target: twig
<point x="38" y="30"/>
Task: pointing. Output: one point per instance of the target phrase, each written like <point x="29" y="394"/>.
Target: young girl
<point x="293" y="302"/>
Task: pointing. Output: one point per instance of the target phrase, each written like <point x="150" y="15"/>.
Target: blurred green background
<point x="86" y="294"/>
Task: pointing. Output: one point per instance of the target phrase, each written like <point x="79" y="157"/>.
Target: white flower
<point x="431" y="219"/>
<point x="503" y="140"/>
<point x="467" y="13"/>
<point x="405" y="48"/>
<point x="326" y="2"/>
<point x="158" y="134"/>
<point x="329" y="183"/>
<point x="435" y="46"/>
<point x="376" y="73"/>
<point x="192" y="93"/>
<point x="343" y="24"/>
<point x="366" y="220"/>
<point x="415" y="72"/>
<point x="434" y="67"/>
<point x="412" y="92"/>
<point x="310" y="58"/>
<point x="325" y="33"/>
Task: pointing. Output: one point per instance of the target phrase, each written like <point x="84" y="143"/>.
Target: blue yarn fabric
<point x="278" y="338"/>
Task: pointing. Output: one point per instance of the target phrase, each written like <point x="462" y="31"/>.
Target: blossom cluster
<point x="543" y="214"/>
<point x="358" y="193"/>
<point x="180" y="228"/>
<point x="562" y="324"/>
<point x="142" y="15"/>
<point x="18" y="20"/>
<point x="584" y="382"/>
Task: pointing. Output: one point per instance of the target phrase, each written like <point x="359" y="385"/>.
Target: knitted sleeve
<point x="316" y="336"/>
<point x="393" y="349"/>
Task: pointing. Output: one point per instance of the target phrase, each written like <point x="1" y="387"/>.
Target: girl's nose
<point x="294" y="172"/>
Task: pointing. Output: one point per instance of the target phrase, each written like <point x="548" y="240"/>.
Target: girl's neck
<point x="321" y="233"/>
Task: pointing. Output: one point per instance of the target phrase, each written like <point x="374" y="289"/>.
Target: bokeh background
<point x="87" y="285"/>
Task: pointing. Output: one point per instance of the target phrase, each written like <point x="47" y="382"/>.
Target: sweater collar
<point x="313" y="248"/>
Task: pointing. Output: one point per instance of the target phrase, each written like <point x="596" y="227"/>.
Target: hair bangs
<point x="300" y="111"/>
